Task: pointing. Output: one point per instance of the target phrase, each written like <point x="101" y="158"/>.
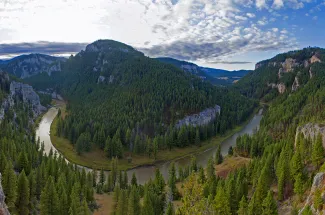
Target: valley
<point x="142" y="167"/>
<point x="136" y="135"/>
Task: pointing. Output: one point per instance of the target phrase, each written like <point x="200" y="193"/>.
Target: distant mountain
<point x="215" y="76"/>
<point x="26" y="66"/>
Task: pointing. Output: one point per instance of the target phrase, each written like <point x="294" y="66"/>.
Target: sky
<point x="227" y="34"/>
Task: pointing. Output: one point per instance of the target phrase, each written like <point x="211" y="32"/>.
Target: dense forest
<point x="277" y="180"/>
<point x="34" y="183"/>
<point x="120" y="100"/>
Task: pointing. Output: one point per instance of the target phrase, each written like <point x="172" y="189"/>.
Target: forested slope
<point x="121" y="99"/>
<point x="32" y="182"/>
<point x="285" y="153"/>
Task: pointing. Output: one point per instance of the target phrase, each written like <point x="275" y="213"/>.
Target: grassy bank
<point x="96" y="158"/>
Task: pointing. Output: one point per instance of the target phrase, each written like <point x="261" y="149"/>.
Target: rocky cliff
<point x="19" y="92"/>
<point x="28" y="95"/>
<point x="3" y="206"/>
<point x="202" y="118"/>
<point x="26" y="66"/>
<point x="311" y="130"/>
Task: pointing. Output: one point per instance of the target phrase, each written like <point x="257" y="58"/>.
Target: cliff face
<point x="202" y="118"/>
<point x="18" y="91"/>
<point x="28" y="95"/>
<point x="311" y="130"/>
<point x="3" y="206"/>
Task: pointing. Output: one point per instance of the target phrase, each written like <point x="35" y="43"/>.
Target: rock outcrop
<point x="28" y="95"/>
<point x="295" y="84"/>
<point x="281" y="87"/>
<point x="311" y="130"/>
<point x="3" y="206"/>
<point x="318" y="183"/>
<point x="202" y="118"/>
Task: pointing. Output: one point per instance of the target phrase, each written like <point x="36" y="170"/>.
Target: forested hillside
<point x="286" y="153"/>
<point x="120" y="99"/>
<point x="32" y="182"/>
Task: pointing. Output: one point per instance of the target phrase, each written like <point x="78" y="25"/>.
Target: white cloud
<point x="250" y="15"/>
<point x="278" y="4"/>
<point x="208" y="28"/>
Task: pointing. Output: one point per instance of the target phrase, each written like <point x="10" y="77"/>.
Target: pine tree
<point x="269" y="205"/>
<point x="172" y="180"/>
<point x="318" y="201"/>
<point x="318" y="151"/>
<point x="9" y="184"/>
<point x="134" y="180"/>
<point x="201" y="179"/>
<point x="242" y="207"/>
<point x="197" y="137"/>
<point x="221" y="203"/>
<point x="49" y="204"/>
<point x="170" y="209"/>
<point x="298" y="185"/>
<point x="23" y="198"/>
<point x="218" y="157"/>
<point x="134" y="202"/>
<point x="210" y="169"/>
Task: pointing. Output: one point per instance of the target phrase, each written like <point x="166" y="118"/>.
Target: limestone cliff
<point x="28" y="96"/>
<point x="311" y="130"/>
<point x="3" y="206"/>
<point x="202" y="118"/>
<point x="20" y="92"/>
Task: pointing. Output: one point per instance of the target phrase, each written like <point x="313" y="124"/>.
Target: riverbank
<point x="97" y="159"/>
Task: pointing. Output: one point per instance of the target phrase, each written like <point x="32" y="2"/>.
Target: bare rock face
<point x="311" y="130"/>
<point x="190" y="68"/>
<point x="289" y="64"/>
<point x="3" y="206"/>
<point x="281" y="87"/>
<point x="318" y="183"/>
<point x="314" y="59"/>
<point x="310" y="73"/>
<point x="202" y="118"/>
<point x="295" y="84"/>
<point x="28" y="95"/>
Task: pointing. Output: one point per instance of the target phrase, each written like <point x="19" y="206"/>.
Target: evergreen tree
<point x="134" y="180"/>
<point x="9" y="184"/>
<point x="318" y="201"/>
<point x="318" y="151"/>
<point x="49" y="204"/>
<point x="23" y="198"/>
<point x="299" y="186"/>
<point x="243" y="210"/>
<point x="172" y="180"/>
<point x="218" y="157"/>
<point x="134" y="202"/>
<point x="170" y="209"/>
<point x="269" y="205"/>
<point x="221" y="203"/>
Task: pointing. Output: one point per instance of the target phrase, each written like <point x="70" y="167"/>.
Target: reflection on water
<point x="143" y="174"/>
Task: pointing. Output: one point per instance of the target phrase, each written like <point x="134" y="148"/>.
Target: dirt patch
<point x="105" y="202"/>
<point x="230" y="164"/>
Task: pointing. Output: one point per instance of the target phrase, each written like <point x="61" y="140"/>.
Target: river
<point x="144" y="173"/>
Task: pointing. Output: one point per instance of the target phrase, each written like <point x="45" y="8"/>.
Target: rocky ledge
<point x="202" y="118"/>
<point x="3" y="206"/>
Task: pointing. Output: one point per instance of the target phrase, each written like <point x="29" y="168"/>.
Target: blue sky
<point x="228" y="34"/>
